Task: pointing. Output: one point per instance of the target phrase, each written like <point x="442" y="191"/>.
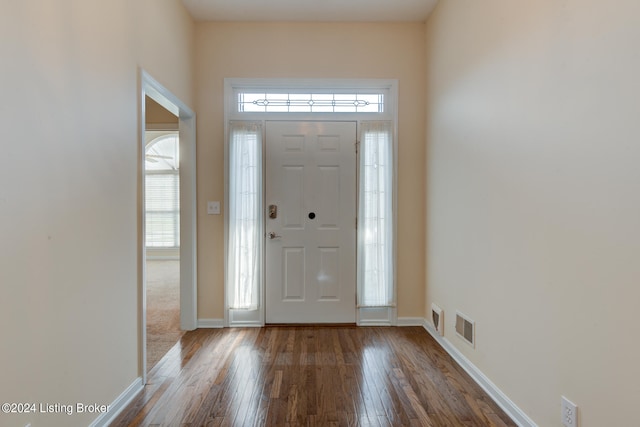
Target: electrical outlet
<point x="569" y="413"/>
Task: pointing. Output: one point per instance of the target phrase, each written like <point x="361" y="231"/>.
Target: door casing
<point x="232" y="86"/>
<point x="188" y="249"/>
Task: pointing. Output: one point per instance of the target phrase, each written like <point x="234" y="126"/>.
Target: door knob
<point x="273" y="235"/>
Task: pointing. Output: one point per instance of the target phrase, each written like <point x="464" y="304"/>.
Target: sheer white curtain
<point x="245" y="208"/>
<point x="375" y="228"/>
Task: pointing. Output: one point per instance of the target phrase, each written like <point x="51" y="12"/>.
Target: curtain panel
<point x="245" y="208"/>
<point x="375" y="216"/>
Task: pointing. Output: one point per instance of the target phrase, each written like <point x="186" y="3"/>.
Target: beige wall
<point x="534" y="197"/>
<point x="68" y="259"/>
<point x="156" y="114"/>
<point x="311" y="50"/>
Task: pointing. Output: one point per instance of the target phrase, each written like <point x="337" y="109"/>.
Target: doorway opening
<point x="167" y="222"/>
<point x="162" y="230"/>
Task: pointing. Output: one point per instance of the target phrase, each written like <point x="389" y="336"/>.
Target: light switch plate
<point x="213" y="208"/>
<point x="569" y="413"/>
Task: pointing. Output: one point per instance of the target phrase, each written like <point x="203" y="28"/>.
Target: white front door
<point x="310" y="198"/>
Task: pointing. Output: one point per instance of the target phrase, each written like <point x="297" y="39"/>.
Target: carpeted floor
<point x="163" y="308"/>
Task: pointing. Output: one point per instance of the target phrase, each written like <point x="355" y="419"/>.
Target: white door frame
<point x="364" y="316"/>
<point x="188" y="255"/>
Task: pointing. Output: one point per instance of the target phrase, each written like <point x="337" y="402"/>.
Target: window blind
<point x="162" y="199"/>
<point x="162" y="191"/>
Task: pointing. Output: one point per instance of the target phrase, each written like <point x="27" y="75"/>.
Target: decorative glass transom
<point x="310" y="103"/>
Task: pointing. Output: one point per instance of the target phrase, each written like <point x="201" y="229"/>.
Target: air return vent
<point x="437" y="316"/>
<point x="465" y="328"/>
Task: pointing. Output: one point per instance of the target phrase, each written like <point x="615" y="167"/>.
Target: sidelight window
<point x="375" y="231"/>
<point x="245" y="199"/>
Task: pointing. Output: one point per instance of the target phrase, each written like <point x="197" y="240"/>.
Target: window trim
<point x="387" y="87"/>
<point x="309" y="101"/>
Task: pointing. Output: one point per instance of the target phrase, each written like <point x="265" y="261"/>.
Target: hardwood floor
<point x="310" y="376"/>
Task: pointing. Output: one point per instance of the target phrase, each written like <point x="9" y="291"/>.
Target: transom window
<point x="283" y="102"/>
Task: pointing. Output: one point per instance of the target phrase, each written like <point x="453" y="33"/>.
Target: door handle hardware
<point x="273" y="235"/>
<point x="273" y="211"/>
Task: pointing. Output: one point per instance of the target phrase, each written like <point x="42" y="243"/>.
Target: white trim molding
<point x="376" y="316"/>
<point x="410" y="321"/>
<point x="149" y="87"/>
<point x="387" y="316"/>
<point x="210" y="323"/>
<point x="119" y="404"/>
<point x="188" y="214"/>
<point x="506" y="404"/>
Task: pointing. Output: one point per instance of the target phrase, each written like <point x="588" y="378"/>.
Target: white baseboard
<point x="402" y="321"/>
<point x="410" y="321"/>
<point x="211" y="323"/>
<point x="246" y="324"/>
<point x="119" y="404"/>
<point x="365" y="323"/>
<point x="510" y="408"/>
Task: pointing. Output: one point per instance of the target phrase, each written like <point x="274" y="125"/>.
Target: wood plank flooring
<point x="310" y="376"/>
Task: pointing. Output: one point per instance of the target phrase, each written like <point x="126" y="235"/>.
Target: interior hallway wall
<point x="68" y="198"/>
<point x="534" y="197"/>
<point x="311" y="50"/>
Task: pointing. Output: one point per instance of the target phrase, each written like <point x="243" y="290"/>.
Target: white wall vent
<point x="466" y="328"/>
<point x="437" y="316"/>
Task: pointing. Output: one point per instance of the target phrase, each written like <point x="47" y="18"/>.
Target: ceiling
<point x="311" y="10"/>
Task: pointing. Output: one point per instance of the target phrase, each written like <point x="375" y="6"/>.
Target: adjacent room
<point x="162" y="230"/>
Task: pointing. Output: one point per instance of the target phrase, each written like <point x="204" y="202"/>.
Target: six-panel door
<point x="311" y="241"/>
